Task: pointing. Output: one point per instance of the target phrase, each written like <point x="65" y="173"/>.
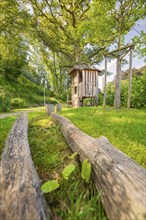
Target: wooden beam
<point x="120" y="49"/>
<point x="130" y="80"/>
<point x="20" y="195"/>
<point x="119" y="180"/>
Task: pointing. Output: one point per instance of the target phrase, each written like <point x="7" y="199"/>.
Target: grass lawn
<point x="125" y="129"/>
<point x="74" y="199"/>
<point x="5" y="126"/>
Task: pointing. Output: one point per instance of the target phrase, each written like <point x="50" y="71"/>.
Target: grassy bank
<point x="124" y="128"/>
<point x="5" y="126"/>
<point x="74" y="199"/>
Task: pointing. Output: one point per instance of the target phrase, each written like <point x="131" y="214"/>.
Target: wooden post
<point x="105" y="79"/>
<point x="67" y="101"/>
<point x="83" y="84"/>
<point x="21" y="197"/>
<point x="78" y="104"/>
<point x="130" y="80"/>
<point x="118" y="84"/>
<point x="58" y="107"/>
<point x="119" y="180"/>
<point x="49" y="109"/>
<point x="96" y="99"/>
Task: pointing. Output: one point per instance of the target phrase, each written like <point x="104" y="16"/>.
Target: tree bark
<point x="20" y="195"/>
<point x="119" y="179"/>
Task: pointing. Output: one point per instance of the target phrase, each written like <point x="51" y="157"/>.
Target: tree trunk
<point x="118" y="84"/>
<point x="20" y="196"/>
<point x="119" y="179"/>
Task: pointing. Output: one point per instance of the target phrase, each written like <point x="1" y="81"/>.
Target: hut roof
<point x="83" y="67"/>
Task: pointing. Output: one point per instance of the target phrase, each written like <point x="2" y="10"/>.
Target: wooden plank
<point x="119" y="180"/>
<point x="20" y="195"/>
<point x="83" y="84"/>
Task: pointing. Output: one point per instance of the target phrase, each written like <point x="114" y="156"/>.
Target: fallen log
<point x="120" y="181"/>
<point x="20" y="197"/>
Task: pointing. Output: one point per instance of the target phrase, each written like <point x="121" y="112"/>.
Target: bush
<point x="4" y="100"/>
<point x="138" y="95"/>
<point x="4" y="104"/>
<point x="18" y="103"/>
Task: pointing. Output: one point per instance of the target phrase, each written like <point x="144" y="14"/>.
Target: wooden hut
<point x="84" y="84"/>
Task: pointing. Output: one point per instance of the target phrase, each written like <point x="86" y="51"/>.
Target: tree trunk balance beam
<point x="120" y="181"/>
<point x="20" y="197"/>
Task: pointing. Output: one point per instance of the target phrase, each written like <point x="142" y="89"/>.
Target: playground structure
<point x="84" y="84"/>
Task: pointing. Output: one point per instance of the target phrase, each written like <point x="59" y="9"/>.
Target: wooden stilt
<point x="130" y="80"/>
<point x="105" y="79"/>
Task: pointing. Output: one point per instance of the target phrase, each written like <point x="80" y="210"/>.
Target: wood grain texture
<point x="49" y="109"/>
<point x="120" y="180"/>
<point x="20" y="195"/>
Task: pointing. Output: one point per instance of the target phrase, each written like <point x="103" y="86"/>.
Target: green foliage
<point x="138" y="92"/>
<point x="86" y="170"/>
<point x="4" y="100"/>
<point x="68" y="171"/>
<point x="49" y="186"/>
<point x="18" y="103"/>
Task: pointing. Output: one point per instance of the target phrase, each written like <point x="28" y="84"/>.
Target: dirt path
<point x="6" y="115"/>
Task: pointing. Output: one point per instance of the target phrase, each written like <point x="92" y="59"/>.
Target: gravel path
<point x="6" y="115"/>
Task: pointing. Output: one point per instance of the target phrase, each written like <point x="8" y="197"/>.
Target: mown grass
<point x="125" y="129"/>
<point x="74" y="199"/>
<point x="5" y="126"/>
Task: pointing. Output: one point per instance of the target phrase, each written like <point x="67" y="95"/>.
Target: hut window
<point x="80" y="76"/>
<point x="75" y="90"/>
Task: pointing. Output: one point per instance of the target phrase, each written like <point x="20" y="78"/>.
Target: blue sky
<point x="137" y="63"/>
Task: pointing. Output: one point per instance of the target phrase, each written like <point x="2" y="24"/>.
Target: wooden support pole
<point x="119" y="180"/>
<point x="96" y="99"/>
<point x="67" y="101"/>
<point x="20" y="195"/>
<point x="130" y="80"/>
<point x="49" y="109"/>
<point x="58" y="107"/>
<point x="118" y="84"/>
<point x="105" y="79"/>
<point x="78" y="102"/>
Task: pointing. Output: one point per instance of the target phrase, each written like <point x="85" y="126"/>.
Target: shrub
<point x="4" y="104"/>
<point x="4" y="101"/>
<point x="18" y="103"/>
